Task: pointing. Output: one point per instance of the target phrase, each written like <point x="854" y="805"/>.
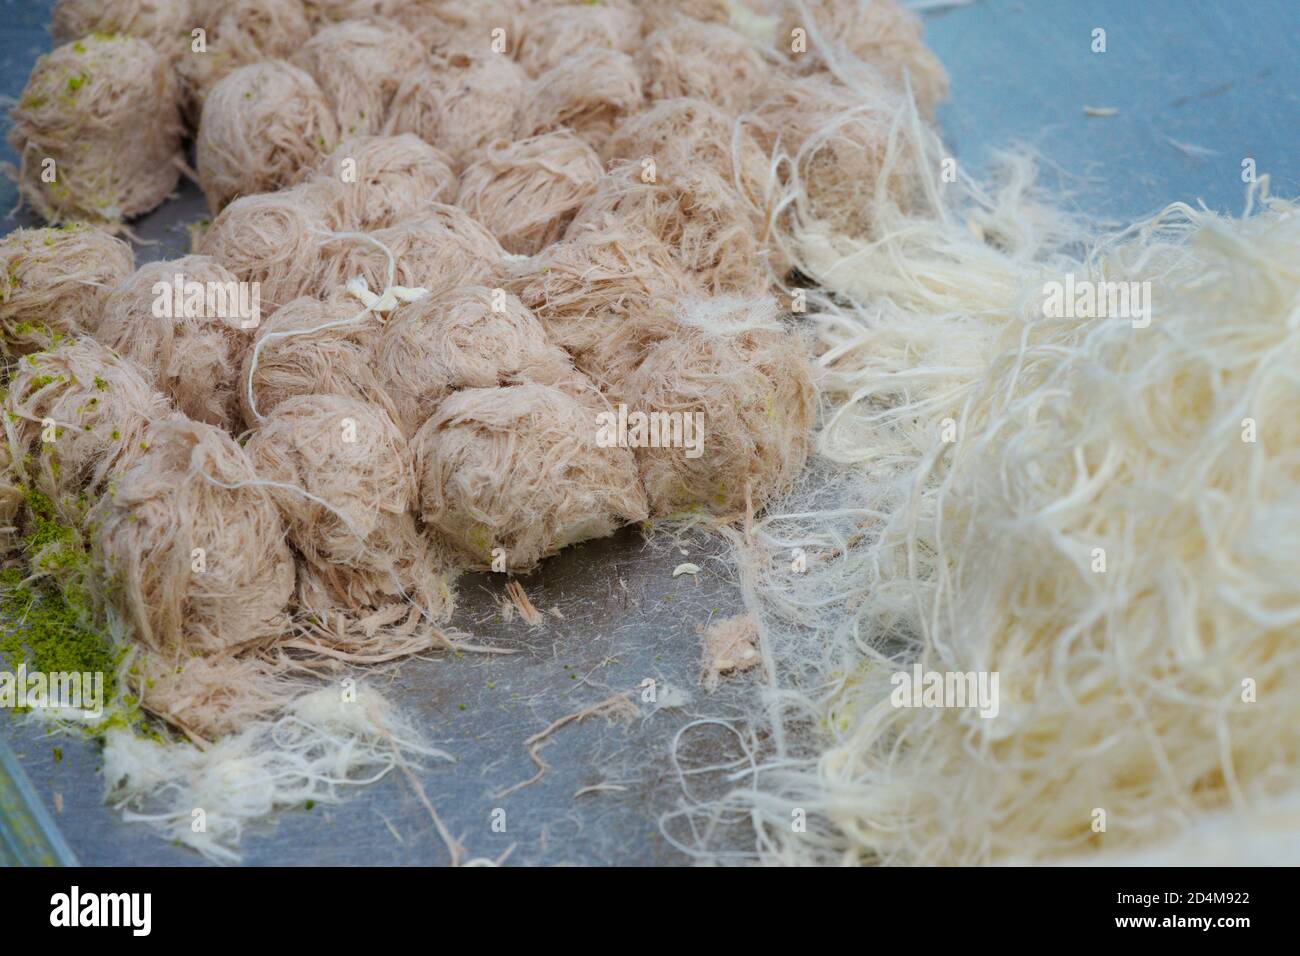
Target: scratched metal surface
<point x="1198" y="86"/>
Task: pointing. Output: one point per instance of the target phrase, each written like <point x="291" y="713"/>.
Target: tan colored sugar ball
<point x="80" y="411"/>
<point x="166" y="24"/>
<point x="187" y="323"/>
<point x="416" y="109"/>
<point x="469" y="337"/>
<point x="440" y="247"/>
<point x="385" y="179"/>
<point x="883" y="34"/>
<point x="838" y="137"/>
<point x="597" y="283"/>
<point x="526" y="192"/>
<point x="519" y="469"/>
<point x="553" y="34"/>
<point x="274" y="239"/>
<point x="98" y="131"/>
<point x="711" y="229"/>
<point x="313" y="347"/>
<point x="359" y="65"/>
<point x="749" y="396"/>
<point x="264" y="127"/>
<point x="589" y="93"/>
<point x="54" y="281"/>
<point x="462" y="102"/>
<point x="363" y="550"/>
<point x="706" y="61"/>
<point x="192" y="550"/>
<point x="681" y="135"/>
<point x="237" y="33"/>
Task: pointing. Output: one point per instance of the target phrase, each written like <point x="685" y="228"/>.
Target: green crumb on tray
<point x="48" y="620"/>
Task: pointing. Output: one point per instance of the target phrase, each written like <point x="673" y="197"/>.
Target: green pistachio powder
<point x="47" y="619"/>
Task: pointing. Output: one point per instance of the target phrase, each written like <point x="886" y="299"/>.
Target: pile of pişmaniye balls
<point x="482" y="279"/>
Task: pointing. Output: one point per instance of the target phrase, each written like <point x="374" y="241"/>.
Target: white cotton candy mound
<point x="1122" y="688"/>
<point x="1103" y="514"/>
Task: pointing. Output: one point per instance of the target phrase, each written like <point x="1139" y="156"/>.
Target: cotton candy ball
<point x="273" y="239"/>
<point x="166" y="24"/>
<point x="552" y="35"/>
<point x="589" y="93"/>
<point x="387" y="178"/>
<point x="461" y="103"/>
<point x="363" y="550"/>
<point x="81" y="411"/>
<point x="440" y="247"/>
<point x="683" y="134"/>
<point x="519" y="469"/>
<point x="713" y="232"/>
<point x="416" y="108"/>
<point x="237" y="33"/>
<point x="57" y="282"/>
<point x="191" y="548"/>
<point x="264" y="126"/>
<point x="471" y="337"/>
<point x="750" y="393"/>
<point x="839" y="138"/>
<point x="332" y="361"/>
<point x="359" y="64"/>
<point x="706" y="61"/>
<point x="526" y="192"/>
<point x="628" y="338"/>
<point x="187" y="322"/>
<point x="98" y="131"/>
<point x="883" y="34"/>
<point x="590" y="288"/>
<point x="613" y="357"/>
